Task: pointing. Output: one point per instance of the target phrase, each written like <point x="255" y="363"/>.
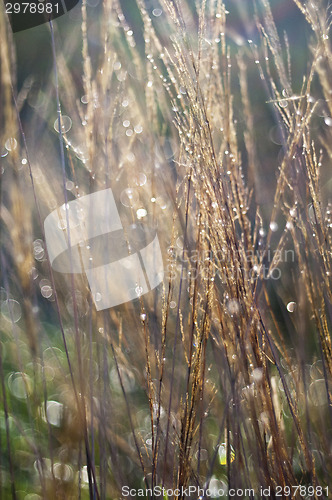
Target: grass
<point x="220" y="377"/>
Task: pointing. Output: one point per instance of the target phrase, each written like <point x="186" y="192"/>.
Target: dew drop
<point x="317" y="393"/>
<point x="233" y="306"/>
<point x="38" y="250"/>
<point x="291" y="306"/>
<point x="129" y="197"/>
<point x="70" y="185"/>
<point x="141" y="213"/>
<point x="66" y="124"/>
<point x="140" y="179"/>
<point x="11" y="310"/>
<point x="20" y="385"/>
<point x="138" y="129"/>
<point x="311" y="213"/>
<point x="46" y="291"/>
<point x="222" y="453"/>
<point x="157" y="12"/>
<point x="257" y="375"/>
<point x="54" y="412"/>
<point x="11" y="144"/>
<point x="274" y="227"/>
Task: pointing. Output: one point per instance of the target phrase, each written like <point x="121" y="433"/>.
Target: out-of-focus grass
<point x="222" y="375"/>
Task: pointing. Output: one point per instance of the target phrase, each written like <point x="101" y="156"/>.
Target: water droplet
<point x="274" y="227"/>
<point x="66" y="124"/>
<point x="11" y="144"/>
<point x="157" y="12"/>
<point x="311" y="213"/>
<point x="46" y="291"/>
<point x="140" y="179"/>
<point x="20" y="385"/>
<point x="54" y="413"/>
<point x="69" y="185"/>
<point x="84" y="99"/>
<point x="141" y="212"/>
<point x="291" y="306"/>
<point x="222" y="453"/>
<point x="143" y="317"/>
<point x="233" y="306"/>
<point x="328" y="121"/>
<point x="317" y="392"/>
<point x="172" y="304"/>
<point x="11" y="310"/>
<point x="138" y="129"/>
<point x="98" y="297"/>
<point x="38" y="250"/>
<point x="257" y="375"/>
<point x="138" y="291"/>
<point x="63" y="472"/>
<point x="129" y="197"/>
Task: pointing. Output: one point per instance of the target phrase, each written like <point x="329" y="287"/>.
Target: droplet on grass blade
<point x="317" y="392"/>
<point x="54" y="413"/>
<point x="140" y="179"/>
<point x="11" y="144"/>
<point x="46" y="291"/>
<point x="11" y="310"/>
<point x="222" y="453"/>
<point x="66" y="124"/>
<point x="233" y="306"/>
<point x="312" y="214"/>
<point x="129" y="197"/>
<point x="141" y="212"/>
<point x="20" y="385"/>
<point x="291" y="306"/>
